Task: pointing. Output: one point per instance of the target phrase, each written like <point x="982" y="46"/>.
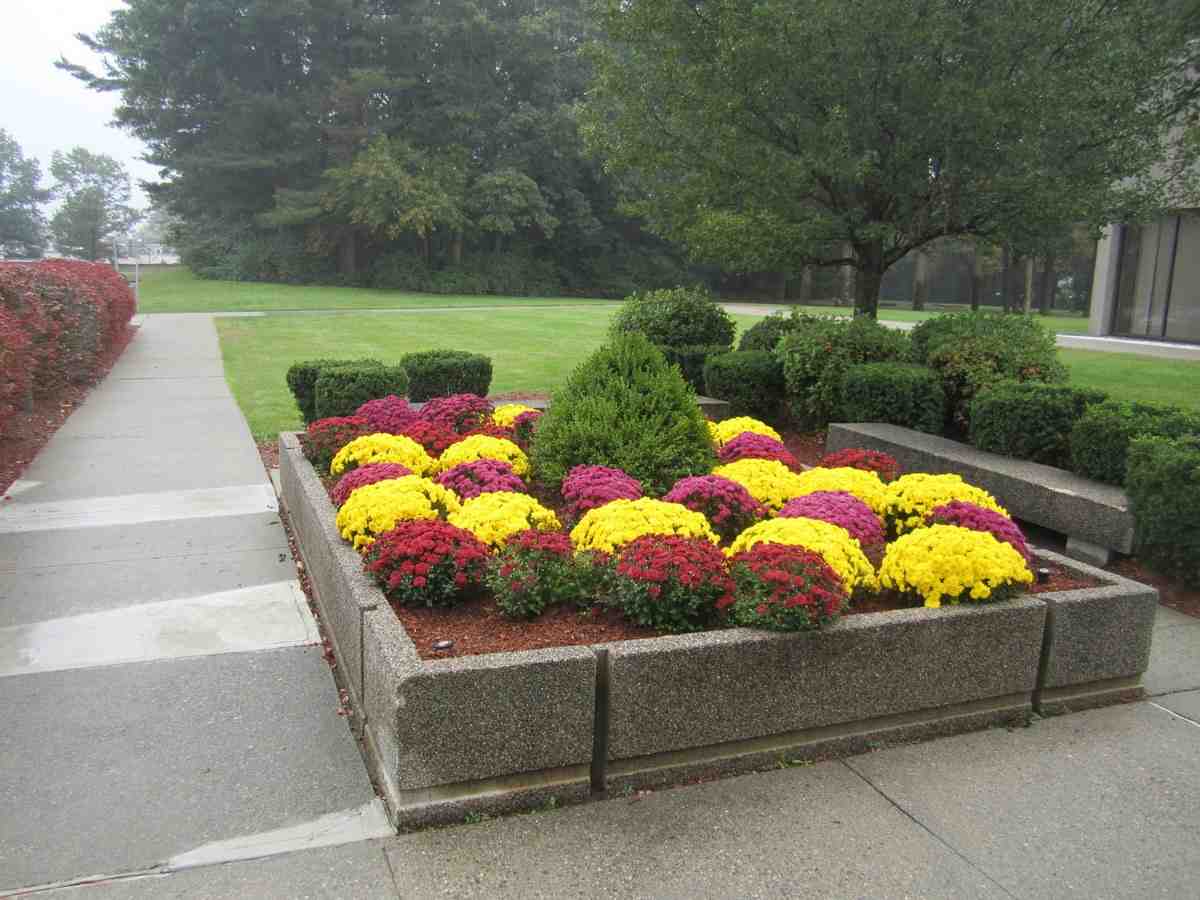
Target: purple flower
<point x="365" y="475"/>
<point x="458" y="412"/>
<point x="978" y="518"/>
<point x="837" y="508"/>
<point x="588" y="487"/>
<point x="726" y="504"/>
<point x="482" y="476"/>
<point x="390" y="414"/>
<point x="749" y="445"/>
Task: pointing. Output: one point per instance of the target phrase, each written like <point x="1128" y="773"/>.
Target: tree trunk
<point x="806" y="276"/>
<point x="1030" y="263"/>
<point x="1006" y="262"/>
<point x="868" y="276"/>
<point x="1049" y="286"/>
<point x="456" y="248"/>
<point x="976" y="277"/>
<point x="347" y="252"/>
<point x="849" y="289"/>
<point x="920" y="282"/>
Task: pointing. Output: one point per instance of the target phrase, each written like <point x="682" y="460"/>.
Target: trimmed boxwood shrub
<point x="765" y="333"/>
<point x="691" y="361"/>
<point x="1101" y="437"/>
<point x="893" y="392"/>
<point x="750" y="380"/>
<point x="1031" y="420"/>
<point x="817" y="353"/>
<point x="440" y="373"/>
<point x="627" y="408"/>
<point x="1164" y="493"/>
<point x="675" y="317"/>
<point x="341" y="390"/>
<point x="302" y="382"/>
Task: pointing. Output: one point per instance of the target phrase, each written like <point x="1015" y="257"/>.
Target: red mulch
<point x="1179" y="596"/>
<point x="29" y="432"/>
<point x="269" y="451"/>
<point x="808" y="448"/>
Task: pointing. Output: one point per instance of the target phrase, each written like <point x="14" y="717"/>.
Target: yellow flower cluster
<point x="724" y="432"/>
<point x="382" y="448"/>
<point x="833" y="543"/>
<point x="484" y="446"/>
<point x="769" y="481"/>
<point x="947" y="562"/>
<point x="375" y="508"/>
<point x="495" y="517"/>
<point x="618" y="522"/>
<point x="506" y="413"/>
<point x="910" y="498"/>
<point x="866" y="486"/>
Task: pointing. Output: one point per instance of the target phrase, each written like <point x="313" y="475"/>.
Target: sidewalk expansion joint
<point x="1172" y="712"/>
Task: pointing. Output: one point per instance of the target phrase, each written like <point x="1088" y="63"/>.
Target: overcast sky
<point x="45" y="109"/>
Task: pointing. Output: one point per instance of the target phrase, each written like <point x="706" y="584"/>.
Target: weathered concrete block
<point x="1050" y="497"/>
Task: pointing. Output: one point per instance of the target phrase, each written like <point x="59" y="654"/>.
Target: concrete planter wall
<point x="508" y="730"/>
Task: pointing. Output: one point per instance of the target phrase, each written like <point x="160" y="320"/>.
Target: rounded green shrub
<point x="442" y="373"/>
<point x="302" y="381"/>
<point x="341" y="390"/>
<point x="765" y="333"/>
<point x="896" y="393"/>
<point x="675" y="317"/>
<point x="625" y="407"/>
<point x="1029" y="420"/>
<point x="750" y="380"/>
<point x="691" y="361"/>
<point x="1164" y="494"/>
<point x="1101" y="437"/>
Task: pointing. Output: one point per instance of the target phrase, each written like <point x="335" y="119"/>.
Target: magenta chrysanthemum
<point x="390" y="414"/>
<point x="978" y="518"/>
<point x="838" y="508"/>
<point x="749" y="445"/>
<point x="364" y="475"/>
<point x="458" y="412"/>
<point x="726" y="504"/>
<point x="482" y="476"/>
<point x="589" y="487"/>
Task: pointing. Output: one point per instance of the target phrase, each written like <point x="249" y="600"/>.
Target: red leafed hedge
<point x="57" y="320"/>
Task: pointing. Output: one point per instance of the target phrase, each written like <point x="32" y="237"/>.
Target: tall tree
<point x="93" y="190"/>
<point x="22" y="225"/>
<point x="770" y="133"/>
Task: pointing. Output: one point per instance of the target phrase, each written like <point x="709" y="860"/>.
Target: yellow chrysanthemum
<point x="506" y="413"/>
<point x="832" y="542"/>
<point x="497" y="516"/>
<point x="866" y="486"/>
<point x="375" y="508"/>
<point x="616" y="523"/>
<point x="484" y="446"/>
<point x="725" y="431"/>
<point x="381" y="448"/>
<point x="769" y="481"/>
<point x="952" y="564"/>
<point x="910" y="498"/>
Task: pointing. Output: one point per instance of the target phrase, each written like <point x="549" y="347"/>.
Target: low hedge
<point x="1163" y="484"/>
<point x="691" y="361"/>
<point x="751" y="381"/>
<point x="302" y="382"/>
<point x="896" y="393"/>
<point x="1030" y="420"/>
<point x="1101" y="437"/>
<point x="442" y="373"/>
<point x="765" y="333"/>
<point x="675" y="317"/>
<point x="341" y="390"/>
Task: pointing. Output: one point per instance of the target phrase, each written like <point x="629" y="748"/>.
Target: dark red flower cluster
<point x="433" y="437"/>
<point x="587" y="487"/>
<point x="882" y="464"/>
<point x="426" y="562"/>
<point x="785" y="588"/>
<point x="838" y="508"/>
<point x="672" y="582"/>
<point x="325" y="437"/>
<point x="390" y="414"/>
<point x="750" y="445"/>
<point x="536" y="570"/>
<point x="726" y="504"/>
<point x="523" y="427"/>
<point x="364" y="475"/>
<point x="459" y="412"/>
<point x="980" y="518"/>
<point x="482" y="476"/>
<point x="491" y="429"/>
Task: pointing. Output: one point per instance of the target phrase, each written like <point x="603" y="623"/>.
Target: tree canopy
<point x="93" y="190"/>
<point x="22" y="225"/>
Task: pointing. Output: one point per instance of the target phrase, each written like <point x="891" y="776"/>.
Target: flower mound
<point x="978" y="518"/>
<point x="671" y="582"/>
<point x="769" y="481"/>
<point x="390" y="414"/>
<point x="458" y="412"/>
<point x="726" y="504"/>
<point x="534" y="571"/>
<point x="726" y="431"/>
<point x="482" y="446"/>
<point x="426" y="563"/>
<point x="749" y="445"/>
<point x="866" y="486"/>
<point x="910" y="498"/>
<point x="381" y="448"/>
<point x="949" y="564"/>
<point x="833" y="543"/>
<point x="616" y="524"/>
<point x="494" y="518"/>
<point x="523" y="427"/>
<point x="433" y="437"/>
<point x="483" y="476"/>
<point x="364" y="475"/>
<point x="325" y="437"/>
<point x="838" y="508"/>
<point x="588" y="487"/>
<point x="378" y="507"/>
<point x="505" y="415"/>
<point x="882" y="464"/>
<point x="784" y="588"/>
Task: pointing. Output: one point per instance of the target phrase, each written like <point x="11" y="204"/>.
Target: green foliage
<point x="302" y="382"/>
<point x="897" y="393"/>
<point x="624" y="407"/>
<point x="692" y="360"/>
<point x="22" y="225"/>
<point x="94" y="190"/>
<point x="440" y="373"/>
<point x="676" y="317"/>
<point x="751" y="380"/>
<point x="1031" y="420"/>
<point x="816" y="354"/>
<point x="340" y="390"/>
<point x="765" y="334"/>
<point x="510" y="274"/>
<point x="1164" y="493"/>
<point x="1101" y="437"/>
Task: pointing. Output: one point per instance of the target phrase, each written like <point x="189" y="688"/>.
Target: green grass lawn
<point x="1128" y="377"/>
